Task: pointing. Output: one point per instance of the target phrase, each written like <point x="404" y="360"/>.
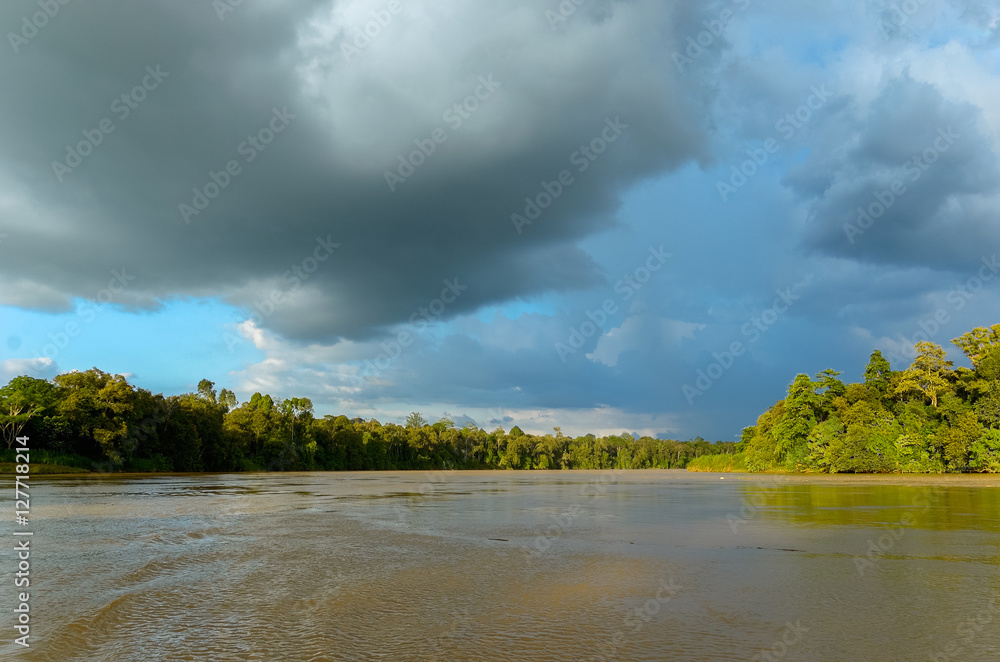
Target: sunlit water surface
<point x="540" y="566"/>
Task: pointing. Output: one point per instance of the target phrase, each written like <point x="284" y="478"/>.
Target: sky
<point x="604" y="215"/>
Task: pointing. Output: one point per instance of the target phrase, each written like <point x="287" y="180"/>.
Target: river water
<point x="540" y="566"/>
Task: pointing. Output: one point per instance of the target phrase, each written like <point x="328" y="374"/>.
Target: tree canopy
<point x="926" y="418"/>
<point x="97" y="420"/>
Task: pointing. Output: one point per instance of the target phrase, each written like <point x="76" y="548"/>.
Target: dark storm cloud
<point x="906" y="181"/>
<point x="328" y="124"/>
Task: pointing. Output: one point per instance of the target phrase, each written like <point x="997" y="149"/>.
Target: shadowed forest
<point x="100" y="422"/>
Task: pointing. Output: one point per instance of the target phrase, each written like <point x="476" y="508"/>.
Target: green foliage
<point x="443" y="424"/>
<point x="878" y="374"/>
<point x="984" y="454"/>
<point x="21" y="400"/>
<point x="206" y="391"/>
<point x="867" y="443"/>
<point x="40" y="457"/>
<point x="929" y="373"/>
<point x="97" y="421"/>
<point x="978" y="342"/>
<point x="928" y="418"/>
<point x="723" y="462"/>
<point x="97" y="407"/>
<point x="415" y="420"/>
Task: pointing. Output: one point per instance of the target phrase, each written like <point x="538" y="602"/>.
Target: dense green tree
<point x="97" y="407"/>
<point x="928" y="373"/>
<point x="798" y="417"/>
<point x="227" y="400"/>
<point x="978" y="342"/>
<point x="21" y="400"/>
<point x="957" y="439"/>
<point x="879" y="376"/>
<point x="415" y="420"/>
<point x="868" y="442"/>
<point x="984" y="454"/>
<point x="443" y="424"/>
<point x="824" y="444"/>
<point x="761" y="445"/>
<point x="928" y="418"/>
<point x="206" y="391"/>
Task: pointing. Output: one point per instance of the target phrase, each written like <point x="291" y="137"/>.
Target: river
<point x="539" y="566"/>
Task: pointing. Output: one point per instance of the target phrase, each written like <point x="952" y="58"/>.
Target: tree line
<point x="928" y="418"/>
<point x="99" y="421"/>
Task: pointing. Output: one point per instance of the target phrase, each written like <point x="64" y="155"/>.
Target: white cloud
<point x="644" y="334"/>
<point x="40" y="368"/>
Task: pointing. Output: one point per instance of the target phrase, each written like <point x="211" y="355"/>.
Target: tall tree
<point x="978" y="342"/>
<point x="443" y="424"/>
<point x="21" y="400"/>
<point x="415" y="420"/>
<point x="206" y="391"/>
<point x="14" y="416"/>
<point x="227" y="400"/>
<point x="799" y="417"/>
<point x="928" y="374"/>
<point x="878" y="373"/>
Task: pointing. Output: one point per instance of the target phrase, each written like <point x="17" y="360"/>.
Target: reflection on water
<point x="547" y="566"/>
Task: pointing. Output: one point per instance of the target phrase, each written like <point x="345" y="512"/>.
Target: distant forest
<point x="929" y="418"/>
<point x="100" y="422"/>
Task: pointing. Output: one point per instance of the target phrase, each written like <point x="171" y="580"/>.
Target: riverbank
<point x="430" y="481"/>
<point x="721" y="463"/>
<point x="38" y="468"/>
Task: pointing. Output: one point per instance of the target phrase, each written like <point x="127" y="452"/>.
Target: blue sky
<point x="361" y="237"/>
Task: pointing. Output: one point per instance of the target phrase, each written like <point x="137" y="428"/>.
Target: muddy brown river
<point x="539" y="566"/>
